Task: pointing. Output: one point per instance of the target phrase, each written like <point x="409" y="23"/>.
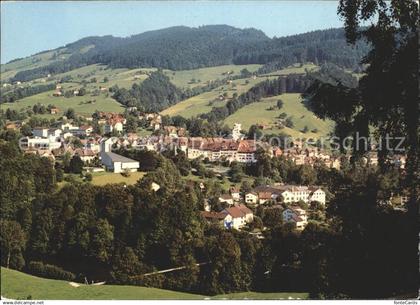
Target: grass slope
<point x="18" y="285"/>
<point x="79" y="103"/>
<point x="182" y="79"/>
<point x="107" y="177"/>
<point x="205" y="102"/>
<point x="123" y="78"/>
<point x="258" y="113"/>
<point x="294" y="69"/>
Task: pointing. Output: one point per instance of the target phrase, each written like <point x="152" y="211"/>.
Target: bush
<point x="49" y="271"/>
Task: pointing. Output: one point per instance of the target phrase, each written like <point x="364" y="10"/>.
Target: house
<point x="251" y="198"/>
<point x="114" y="162"/>
<point x="297" y="216"/>
<point x="235" y="193"/>
<point x="155" y="187"/>
<point x="54" y="110"/>
<point x="317" y="194"/>
<point x="263" y="197"/>
<point x="43" y="132"/>
<point x="86" y="155"/>
<point x="39" y="143"/>
<point x="307" y="194"/>
<point x="40" y="132"/>
<point x="277" y="152"/>
<point x="226" y="198"/>
<point x="13" y="125"/>
<point x="115" y="122"/>
<point x="217" y="217"/>
<point x="240" y="215"/>
<point x="84" y="130"/>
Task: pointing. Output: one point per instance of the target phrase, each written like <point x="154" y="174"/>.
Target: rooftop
<point x="118" y="158"/>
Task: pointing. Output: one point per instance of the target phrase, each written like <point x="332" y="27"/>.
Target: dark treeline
<point x="19" y="93"/>
<point x="182" y="48"/>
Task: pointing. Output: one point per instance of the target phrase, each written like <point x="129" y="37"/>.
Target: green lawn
<point x="258" y="113"/>
<point x="18" y="285"/>
<point x="103" y="178"/>
<point x="204" y="103"/>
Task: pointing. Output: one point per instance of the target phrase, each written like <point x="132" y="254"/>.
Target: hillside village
<point x="66" y="138"/>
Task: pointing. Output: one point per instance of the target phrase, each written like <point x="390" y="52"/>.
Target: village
<point x="235" y="211"/>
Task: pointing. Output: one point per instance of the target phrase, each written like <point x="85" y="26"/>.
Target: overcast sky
<point x="31" y="27"/>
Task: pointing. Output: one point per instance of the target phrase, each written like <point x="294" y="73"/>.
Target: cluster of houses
<point x="231" y="149"/>
<point x="238" y="214"/>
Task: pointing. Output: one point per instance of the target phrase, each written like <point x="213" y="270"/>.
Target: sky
<point x="33" y="26"/>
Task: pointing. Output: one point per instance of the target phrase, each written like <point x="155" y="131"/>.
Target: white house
<point x="317" y="194"/>
<point x="39" y="143"/>
<point x="86" y="155"/>
<point x="234" y="192"/>
<point x="240" y="214"/>
<point x="110" y="126"/>
<point x="296" y="215"/>
<point x="251" y="198"/>
<point x="307" y="194"/>
<point x="155" y="187"/>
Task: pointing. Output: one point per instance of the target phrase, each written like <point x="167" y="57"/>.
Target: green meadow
<point x="20" y="286"/>
<point x="260" y="113"/>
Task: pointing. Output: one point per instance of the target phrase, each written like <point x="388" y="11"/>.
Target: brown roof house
<point x="240" y="214"/>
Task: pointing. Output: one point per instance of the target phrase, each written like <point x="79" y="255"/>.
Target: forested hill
<point x="183" y="48"/>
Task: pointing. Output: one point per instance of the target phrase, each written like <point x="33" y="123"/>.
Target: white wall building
<point x="297" y="216"/>
<point x="114" y="162"/>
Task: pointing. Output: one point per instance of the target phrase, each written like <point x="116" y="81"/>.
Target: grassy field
<point x="182" y="79"/>
<point x="258" y="113"/>
<point x="18" y="285"/>
<point x="103" y="178"/>
<point x="294" y="69"/>
<point x="123" y="78"/>
<point x="35" y="61"/>
<point x="80" y="104"/>
<point x="205" y="102"/>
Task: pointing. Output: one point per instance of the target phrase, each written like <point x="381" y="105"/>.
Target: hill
<point x="18" y="285"/>
<point x="265" y="113"/>
<point x="184" y="48"/>
<point x="92" y="78"/>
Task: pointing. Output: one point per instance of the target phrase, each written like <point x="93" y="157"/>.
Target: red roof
<point x="247" y="146"/>
<point x="213" y="215"/>
<point x="238" y="211"/>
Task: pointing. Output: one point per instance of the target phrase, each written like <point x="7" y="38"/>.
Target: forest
<point x="183" y="48"/>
